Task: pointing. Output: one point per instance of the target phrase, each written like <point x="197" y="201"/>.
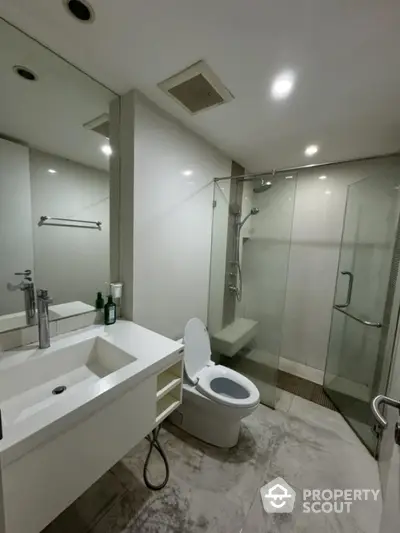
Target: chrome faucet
<point x="43" y="301"/>
<point x="28" y="288"/>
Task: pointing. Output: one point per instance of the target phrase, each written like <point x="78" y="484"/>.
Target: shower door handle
<point x="382" y="421"/>
<point x="376" y="404"/>
<point x="349" y="289"/>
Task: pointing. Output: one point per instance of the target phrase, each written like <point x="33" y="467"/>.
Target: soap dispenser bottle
<point x="110" y="312"/>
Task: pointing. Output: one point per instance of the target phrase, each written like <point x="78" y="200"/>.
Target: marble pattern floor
<point x="217" y="491"/>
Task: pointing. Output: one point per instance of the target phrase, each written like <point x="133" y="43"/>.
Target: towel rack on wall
<point x="69" y="222"/>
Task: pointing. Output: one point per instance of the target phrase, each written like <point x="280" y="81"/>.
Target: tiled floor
<point x="217" y="491"/>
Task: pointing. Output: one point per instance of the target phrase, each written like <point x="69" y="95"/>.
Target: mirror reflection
<point x="54" y="183"/>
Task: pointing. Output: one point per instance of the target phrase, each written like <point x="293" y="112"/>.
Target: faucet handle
<point x="26" y="274"/>
<point x="43" y="294"/>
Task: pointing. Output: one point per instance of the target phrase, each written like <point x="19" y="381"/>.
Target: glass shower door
<point x="359" y="345"/>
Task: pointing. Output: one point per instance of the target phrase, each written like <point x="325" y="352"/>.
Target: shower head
<point x="253" y="211"/>
<point x="264" y="186"/>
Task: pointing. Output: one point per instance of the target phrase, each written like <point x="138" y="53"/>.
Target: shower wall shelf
<point x="69" y="222"/>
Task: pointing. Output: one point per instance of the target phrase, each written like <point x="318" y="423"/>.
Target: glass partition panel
<point x="249" y="263"/>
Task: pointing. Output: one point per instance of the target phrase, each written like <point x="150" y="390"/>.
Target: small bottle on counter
<point x="110" y="312"/>
<point x="99" y="308"/>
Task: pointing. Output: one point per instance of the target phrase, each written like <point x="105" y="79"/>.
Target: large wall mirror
<point x="54" y="182"/>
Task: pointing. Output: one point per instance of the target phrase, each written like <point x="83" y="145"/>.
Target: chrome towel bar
<point x="360" y="320"/>
<point x="69" y="222"/>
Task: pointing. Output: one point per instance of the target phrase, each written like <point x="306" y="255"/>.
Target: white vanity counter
<point x="121" y="381"/>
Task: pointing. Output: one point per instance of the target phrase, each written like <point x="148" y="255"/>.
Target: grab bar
<point x="349" y="288"/>
<point x="360" y="320"/>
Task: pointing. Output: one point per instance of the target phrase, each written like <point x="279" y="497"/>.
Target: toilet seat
<point x="228" y="387"/>
<point x="217" y="382"/>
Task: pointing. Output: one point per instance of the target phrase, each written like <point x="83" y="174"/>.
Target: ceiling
<point x="49" y="113"/>
<point x="345" y="54"/>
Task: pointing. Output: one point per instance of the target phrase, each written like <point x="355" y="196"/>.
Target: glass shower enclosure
<point x="251" y="235"/>
<point x="366" y="303"/>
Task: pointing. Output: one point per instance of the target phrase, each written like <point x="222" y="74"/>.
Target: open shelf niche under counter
<point x="169" y="391"/>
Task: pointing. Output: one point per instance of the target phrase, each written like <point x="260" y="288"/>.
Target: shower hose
<point x="155" y="444"/>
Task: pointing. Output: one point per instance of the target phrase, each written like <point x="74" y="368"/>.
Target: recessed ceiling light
<point x="187" y="172"/>
<point x="311" y="150"/>
<point x="288" y="177"/>
<point x="52" y="171"/>
<point x="268" y="183"/>
<point x="282" y="85"/>
<point x="25" y="73"/>
<point x="80" y="9"/>
<point x="328" y="192"/>
<point x="106" y="149"/>
<point x="322" y="178"/>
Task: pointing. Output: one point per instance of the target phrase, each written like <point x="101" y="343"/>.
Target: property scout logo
<point x="279" y="497"/>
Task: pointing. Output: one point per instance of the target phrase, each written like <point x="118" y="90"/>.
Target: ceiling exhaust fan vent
<point x="196" y="88"/>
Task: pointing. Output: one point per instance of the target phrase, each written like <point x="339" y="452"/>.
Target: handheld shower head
<point x="253" y="211"/>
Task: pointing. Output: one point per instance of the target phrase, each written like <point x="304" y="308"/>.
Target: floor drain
<point x="59" y="389"/>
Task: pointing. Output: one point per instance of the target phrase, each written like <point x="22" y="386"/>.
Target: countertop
<point x="150" y="351"/>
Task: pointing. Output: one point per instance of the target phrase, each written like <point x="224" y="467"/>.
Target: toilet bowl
<point x="215" y="398"/>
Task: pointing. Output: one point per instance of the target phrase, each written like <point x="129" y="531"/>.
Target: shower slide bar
<point x="360" y="320"/>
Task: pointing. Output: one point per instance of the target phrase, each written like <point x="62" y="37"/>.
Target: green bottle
<point x="99" y="308"/>
<point x="99" y="301"/>
<point x="110" y="312"/>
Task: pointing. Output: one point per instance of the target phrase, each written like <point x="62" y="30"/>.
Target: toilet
<point x="215" y="398"/>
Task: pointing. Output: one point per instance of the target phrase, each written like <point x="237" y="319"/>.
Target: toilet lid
<point x="197" y="348"/>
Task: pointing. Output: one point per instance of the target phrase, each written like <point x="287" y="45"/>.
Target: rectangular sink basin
<point x="53" y="375"/>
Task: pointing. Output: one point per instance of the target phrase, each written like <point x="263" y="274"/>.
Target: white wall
<point x="172" y="219"/>
<point x="72" y="263"/>
<point x="16" y="248"/>
<point x="314" y="254"/>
